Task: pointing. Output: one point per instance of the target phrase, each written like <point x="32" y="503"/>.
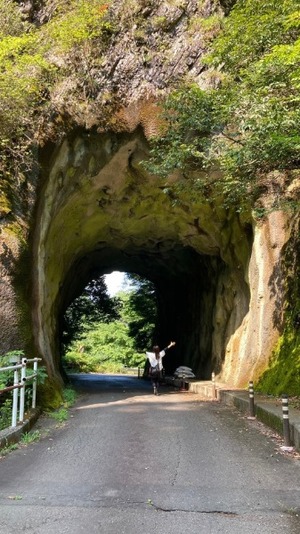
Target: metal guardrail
<point x="21" y="379"/>
<point x="137" y="371"/>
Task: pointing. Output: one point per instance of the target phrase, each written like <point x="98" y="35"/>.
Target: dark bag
<point x="154" y="371"/>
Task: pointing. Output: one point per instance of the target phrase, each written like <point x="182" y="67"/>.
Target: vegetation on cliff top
<point x="248" y="124"/>
<point x="35" y="60"/>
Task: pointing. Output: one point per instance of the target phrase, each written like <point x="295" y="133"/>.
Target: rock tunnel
<point x="100" y="211"/>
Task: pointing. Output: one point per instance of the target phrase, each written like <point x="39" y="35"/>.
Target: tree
<point x="140" y="311"/>
<point x="104" y="347"/>
<point x="117" y="333"/>
<point x="92" y="306"/>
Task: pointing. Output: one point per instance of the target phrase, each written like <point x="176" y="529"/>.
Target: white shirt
<point x="154" y="361"/>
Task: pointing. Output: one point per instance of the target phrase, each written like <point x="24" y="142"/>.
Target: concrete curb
<point x="10" y="435"/>
<point x="268" y="410"/>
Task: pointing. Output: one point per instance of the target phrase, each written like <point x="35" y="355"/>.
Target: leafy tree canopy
<point x="140" y="311"/>
<point x="92" y="306"/>
<point x="113" y="334"/>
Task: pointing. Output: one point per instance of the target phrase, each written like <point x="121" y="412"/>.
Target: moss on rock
<point x="50" y="395"/>
<point x="283" y="374"/>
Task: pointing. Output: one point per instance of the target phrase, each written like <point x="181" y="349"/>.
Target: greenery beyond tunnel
<point x="107" y="333"/>
<point x="180" y="287"/>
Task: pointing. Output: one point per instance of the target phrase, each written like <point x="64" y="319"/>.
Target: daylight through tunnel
<point x="185" y="285"/>
<point x="101" y="211"/>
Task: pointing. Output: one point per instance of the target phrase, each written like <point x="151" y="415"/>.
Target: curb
<point x="10" y="435"/>
<point x="267" y="409"/>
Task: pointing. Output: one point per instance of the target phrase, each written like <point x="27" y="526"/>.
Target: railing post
<point x="286" y="423"/>
<point x="22" y="392"/>
<point x="251" y="400"/>
<point x="15" y="400"/>
<point x="34" y="383"/>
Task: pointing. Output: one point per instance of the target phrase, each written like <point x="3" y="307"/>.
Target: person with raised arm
<point x="156" y="365"/>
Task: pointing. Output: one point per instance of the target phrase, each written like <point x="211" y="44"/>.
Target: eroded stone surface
<point x="101" y="211"/>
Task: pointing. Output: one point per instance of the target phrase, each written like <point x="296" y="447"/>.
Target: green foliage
<point x="82" y="22"/>
<point x="248" y="126"/>
<point x="34" y="61"/>
<point x="283" y="373"/>
<point x="9" y="448"/>
<point x="262" y="26"/>
<point x="69" y="397"/>
<point x="5" y="414"/>
<point x="140" y="312"/>
<point x="188" y="122"/>
<point x="6" y="377"/>
<point x="42" y="375"/>
<point x="30" y="437"/>
<point x="93" y="305"/>
<point x="11" y="20"/>
<point x="108" y="346"/>
<point x="60" y="415"/>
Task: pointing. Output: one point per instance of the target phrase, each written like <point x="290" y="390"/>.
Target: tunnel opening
<point x="185" y="284"/>
<point x="102" y="212"/>
<point x="107" y="329"/>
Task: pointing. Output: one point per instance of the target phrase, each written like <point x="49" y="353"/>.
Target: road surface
<point x="128" y="462"/>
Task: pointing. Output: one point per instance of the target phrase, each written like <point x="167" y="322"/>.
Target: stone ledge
<point x="267" y="410"/>
<point x="10" y="435"/>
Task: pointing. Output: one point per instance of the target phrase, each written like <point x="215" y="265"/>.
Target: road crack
<point x="217" y="512"/>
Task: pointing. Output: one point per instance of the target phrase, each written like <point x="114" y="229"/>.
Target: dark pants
<point x="155" y="379"/>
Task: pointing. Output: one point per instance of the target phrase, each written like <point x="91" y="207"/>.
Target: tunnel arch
<point x="101" y="211"/>
<point x="185" y="284"/>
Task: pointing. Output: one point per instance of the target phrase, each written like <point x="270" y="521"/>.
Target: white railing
<point x="21" y="380"/>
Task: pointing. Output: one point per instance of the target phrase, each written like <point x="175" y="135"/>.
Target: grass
<point x="30" y="437"/>
<point x="69" y="396"/>
<point x="7" y="449"/>
<point x="60" y="415"/>
<point x="26" y="439"/>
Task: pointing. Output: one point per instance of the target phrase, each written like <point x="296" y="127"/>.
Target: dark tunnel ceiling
<point x="163" y="263"/>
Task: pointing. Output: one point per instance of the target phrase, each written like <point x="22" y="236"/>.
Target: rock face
<point x="100" y="211"/>
<point x="11" y="337"/>
<point x="218" y="275"/>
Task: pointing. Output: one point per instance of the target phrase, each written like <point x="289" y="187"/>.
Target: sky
<point x="114" y="282"/>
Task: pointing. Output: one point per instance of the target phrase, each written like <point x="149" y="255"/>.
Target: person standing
<point x="156" y="366"/>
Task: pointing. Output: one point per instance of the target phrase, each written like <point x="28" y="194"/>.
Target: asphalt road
<point x="128" y="462"/>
